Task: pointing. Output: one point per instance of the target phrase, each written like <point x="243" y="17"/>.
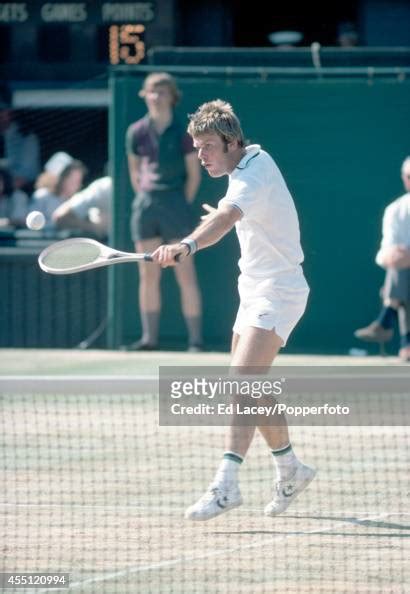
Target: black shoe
<point x="140" y="345"/>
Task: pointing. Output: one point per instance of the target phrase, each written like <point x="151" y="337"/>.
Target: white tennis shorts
<point x="264" y="305"/>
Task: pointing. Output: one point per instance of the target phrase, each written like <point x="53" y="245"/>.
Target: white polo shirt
<point x="268" y="232"/>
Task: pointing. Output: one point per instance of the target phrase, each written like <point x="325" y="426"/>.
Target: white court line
<point x="214" y="553"/>
<point x="97" y="384"/>
<point x="180" y="510"/>
<point x="83" y="384"/>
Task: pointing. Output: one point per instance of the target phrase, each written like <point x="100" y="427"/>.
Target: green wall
<point x="339" y="142"/>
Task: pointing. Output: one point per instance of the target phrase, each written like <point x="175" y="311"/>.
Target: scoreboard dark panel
<point x="81" y="36"/>
<point x="41" y="12"/>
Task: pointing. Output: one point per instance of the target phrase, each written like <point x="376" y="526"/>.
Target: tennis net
<point x="95" y="488"/>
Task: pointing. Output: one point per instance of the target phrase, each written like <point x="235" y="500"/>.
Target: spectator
<point x="13" y="203"/>
<point x="165" y="176"/>
<point x="19" y="147"/>
<point x="62" y="177"/>
<point x="394" y="256"/>
<point x="89" y="210"/>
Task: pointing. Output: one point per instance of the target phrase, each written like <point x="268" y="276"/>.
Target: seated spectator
<point x="62" y="177"/>
<point x="19" y="147"/>
<point x="88" y="210"/>
<point x="13" y="203"/>
<point x="394" y="257"/>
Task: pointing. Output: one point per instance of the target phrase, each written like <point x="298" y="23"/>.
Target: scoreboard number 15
<point x="126" y="44"/>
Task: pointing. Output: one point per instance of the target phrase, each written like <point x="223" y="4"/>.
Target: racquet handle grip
<point x="148" y="258"/>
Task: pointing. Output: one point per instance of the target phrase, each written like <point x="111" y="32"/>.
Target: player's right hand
<point x="170" y="255"/>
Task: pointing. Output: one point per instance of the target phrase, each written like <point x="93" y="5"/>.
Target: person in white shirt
<point x="89" y="210"/>
<point x="62" y="178"/>
<point x="273" y="290"/>
<point x="394" y="257"/>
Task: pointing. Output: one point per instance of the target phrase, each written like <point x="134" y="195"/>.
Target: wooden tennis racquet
<point x="81" y="253"/>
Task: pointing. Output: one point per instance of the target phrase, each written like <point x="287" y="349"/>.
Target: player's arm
<point x="193" y="176"/>
<point x="133" y="168"/>
<point x="213" y="227"/>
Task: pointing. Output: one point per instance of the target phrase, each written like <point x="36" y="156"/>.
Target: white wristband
<point x="191" y="243"/>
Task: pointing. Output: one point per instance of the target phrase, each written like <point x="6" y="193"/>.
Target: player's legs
<point x="149" y="295"/>
<point x="255" y="344"/>
<point x="258" y="347"/>
<point x="186" y="277"/>
<point x="252" y="352"/>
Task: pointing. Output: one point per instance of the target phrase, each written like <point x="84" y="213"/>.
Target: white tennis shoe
<point x="287" y="491"/>
<point x="217" y="500"/>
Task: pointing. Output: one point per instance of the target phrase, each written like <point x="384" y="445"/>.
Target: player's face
<point x="215" y="156"/>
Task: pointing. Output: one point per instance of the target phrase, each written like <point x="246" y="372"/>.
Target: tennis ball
<point x="35" y="220"/>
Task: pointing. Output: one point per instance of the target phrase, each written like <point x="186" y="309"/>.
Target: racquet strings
<point x="69" y="256"/>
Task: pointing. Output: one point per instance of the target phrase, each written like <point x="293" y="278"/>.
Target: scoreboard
<point x="83" y="32"/>
<point x="75" y="12"/>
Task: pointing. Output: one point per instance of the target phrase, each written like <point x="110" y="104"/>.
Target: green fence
<point x="41" y="310"/>
<point x="339" y="136"/>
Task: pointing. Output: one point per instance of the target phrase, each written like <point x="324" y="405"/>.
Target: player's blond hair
<point x="156" y="79"/>
<point x="216" y="116"/>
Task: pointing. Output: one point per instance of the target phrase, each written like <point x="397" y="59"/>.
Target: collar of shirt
<point x="152" y="126"/>
<point x="251" y="151"/>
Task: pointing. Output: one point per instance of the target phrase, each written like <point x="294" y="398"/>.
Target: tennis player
<point x="272" y="288"/>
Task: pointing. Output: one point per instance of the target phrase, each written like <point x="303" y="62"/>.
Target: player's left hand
<point x="166" y="255"/>
<point x="210" y="210"/>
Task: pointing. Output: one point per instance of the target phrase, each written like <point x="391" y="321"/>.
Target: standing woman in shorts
<point x="165" y="175"/>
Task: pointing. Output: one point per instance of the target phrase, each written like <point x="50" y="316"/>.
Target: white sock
<point x="227" y="472"/>
<point x="286" y="463"/>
